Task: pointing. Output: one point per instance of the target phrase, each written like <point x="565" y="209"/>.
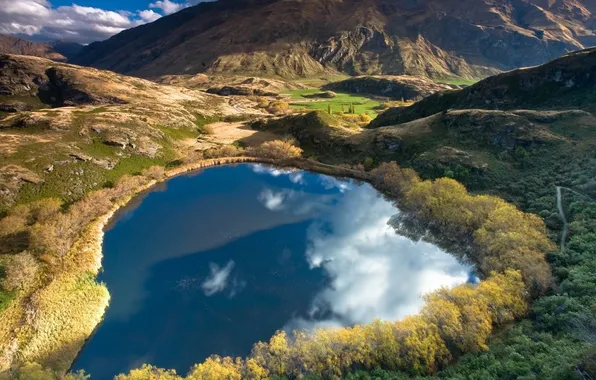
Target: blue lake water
<point x="212" y="262"/>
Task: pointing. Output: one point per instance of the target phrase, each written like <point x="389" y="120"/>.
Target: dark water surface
<point x="212" y="262"/>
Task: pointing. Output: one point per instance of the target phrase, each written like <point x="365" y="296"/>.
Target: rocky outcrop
<point x="29" y="83"/>
<point x="290" y="38"/>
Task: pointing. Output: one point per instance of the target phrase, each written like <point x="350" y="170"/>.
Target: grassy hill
<point x="565" y="83"/>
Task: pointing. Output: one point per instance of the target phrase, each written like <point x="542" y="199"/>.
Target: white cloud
<point x="148" y="15"/>
<point x="295" y="175"/>
<point x="167" y="6"/>
<point x="38" y="19"/>
<point x="274" y="201"/>
<point x="272" y="171"/>
<point x="218" y="279"/>
<point x="329" y="183"/>
<point x="298" y="178"/>
<point x="374" y="272"/>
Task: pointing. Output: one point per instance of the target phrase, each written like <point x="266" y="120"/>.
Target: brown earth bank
<point x="295" y="38"/>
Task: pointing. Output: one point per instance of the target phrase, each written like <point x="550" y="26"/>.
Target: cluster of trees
<point x="503" y="236"/>
<point x="34" y="371"/>
<point x="557" y="339"/>
<point x="37" y="239"/>
<point x="49" y="232"/>
<point x="452" y="322"/>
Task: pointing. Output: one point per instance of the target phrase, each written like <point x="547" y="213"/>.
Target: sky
<point x="82" y="21"/>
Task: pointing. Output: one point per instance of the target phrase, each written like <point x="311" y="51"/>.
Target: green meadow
<point x="299" y="100"/>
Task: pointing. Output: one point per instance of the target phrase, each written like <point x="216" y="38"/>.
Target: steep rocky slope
<point x="436" y="38"/>
<point x="12" y="45"/>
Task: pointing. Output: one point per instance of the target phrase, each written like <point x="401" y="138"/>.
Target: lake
<point x="214" y="261"/>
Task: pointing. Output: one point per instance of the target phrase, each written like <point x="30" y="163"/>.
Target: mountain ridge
<point x="291" y="38"/>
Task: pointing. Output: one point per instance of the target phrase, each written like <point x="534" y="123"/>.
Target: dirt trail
<point x="562" y="211"/>
<point x="563" y="217"/>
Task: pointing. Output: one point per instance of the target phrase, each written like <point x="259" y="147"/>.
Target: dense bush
<point x="278" y="107"/>
<point x="276" y="149"/>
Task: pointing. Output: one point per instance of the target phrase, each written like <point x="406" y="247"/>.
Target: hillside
<point x="55" y="117"/>
<point x="12" y="45"/>
<point x="291" y="38"/>
<point x="563" y="84"/>
<point x="398" y="87"/>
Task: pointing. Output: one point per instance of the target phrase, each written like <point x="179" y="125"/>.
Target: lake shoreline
<point x="90" y="243"/>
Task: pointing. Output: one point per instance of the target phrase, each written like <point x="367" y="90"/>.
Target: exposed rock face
<point x="55" y="86"/>
<point x="436" y="38"/>
<point x="404" y="87"/>
<point x="565" y="83"/>
<point x="12" y="45"/>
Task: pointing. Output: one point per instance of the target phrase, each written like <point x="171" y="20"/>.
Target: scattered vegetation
<point x="458" y="81"/>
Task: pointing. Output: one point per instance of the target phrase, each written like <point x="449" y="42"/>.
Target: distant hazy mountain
<point x="67" y="49"/>
<point x="13" y="45"/>
<point x="436" y="38"/>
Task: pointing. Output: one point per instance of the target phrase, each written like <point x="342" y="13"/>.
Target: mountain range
<point x="293" y="38"/>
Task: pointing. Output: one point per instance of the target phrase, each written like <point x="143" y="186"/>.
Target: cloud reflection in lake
<point x="375" y="273"/>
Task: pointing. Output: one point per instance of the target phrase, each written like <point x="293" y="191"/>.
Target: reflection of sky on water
<point x="212" y="263"/>
<point x="375" y="272"/>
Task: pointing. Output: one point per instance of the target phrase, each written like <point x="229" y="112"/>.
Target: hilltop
<point x="294" y="38"/>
